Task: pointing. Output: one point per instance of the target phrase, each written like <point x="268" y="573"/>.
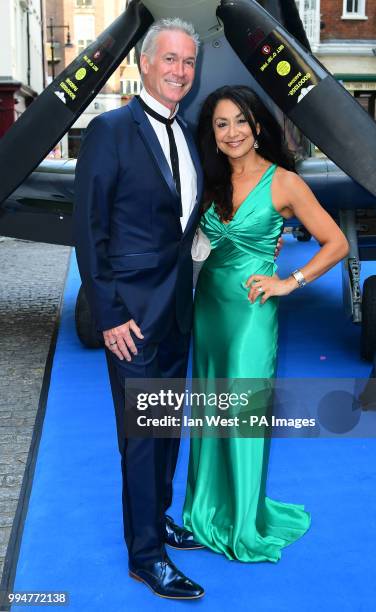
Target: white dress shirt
<point x="188" y="175"/>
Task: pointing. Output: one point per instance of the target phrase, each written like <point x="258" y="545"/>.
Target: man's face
<point x="168" y="75"/>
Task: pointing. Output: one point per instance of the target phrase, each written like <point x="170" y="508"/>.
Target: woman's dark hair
<point x="217" y="169"/>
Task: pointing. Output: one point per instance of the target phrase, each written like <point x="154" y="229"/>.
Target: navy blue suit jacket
<point x="134" y="260"/>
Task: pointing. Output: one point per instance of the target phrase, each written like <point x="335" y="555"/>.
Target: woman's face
<point x="232" y="131"/>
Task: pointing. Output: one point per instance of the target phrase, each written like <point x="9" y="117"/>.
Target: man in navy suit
<point x="137" y="191"/>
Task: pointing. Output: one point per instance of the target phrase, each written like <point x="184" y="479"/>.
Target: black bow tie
<point x="173" y="148"/>
<point x="150" y="111"/>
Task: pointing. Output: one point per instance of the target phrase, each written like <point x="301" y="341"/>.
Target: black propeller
<point x="303" y="89"/>
<point x="49" y="117"/>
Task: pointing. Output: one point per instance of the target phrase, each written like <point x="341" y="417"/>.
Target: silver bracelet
<point x="299" y="278"/>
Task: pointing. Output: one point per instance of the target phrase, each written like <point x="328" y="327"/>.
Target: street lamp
<point x="68" y="45"/>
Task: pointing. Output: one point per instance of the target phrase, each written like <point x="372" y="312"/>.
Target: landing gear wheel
<point x="368" y="335"/>
<point x="85" y="327"/>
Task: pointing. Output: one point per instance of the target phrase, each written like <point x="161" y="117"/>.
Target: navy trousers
<point x="148" y="464"/>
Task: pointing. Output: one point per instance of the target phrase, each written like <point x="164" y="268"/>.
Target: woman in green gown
<point x="250" y="188"/>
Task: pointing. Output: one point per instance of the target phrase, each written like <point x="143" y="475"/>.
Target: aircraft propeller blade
<point x="50" y="116"/>
<point x="303" y="89"/>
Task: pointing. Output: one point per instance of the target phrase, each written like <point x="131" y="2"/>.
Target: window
<point x="83" y="43"/>
<point x="131" y="58"/>
<point x="367" y="99"/>
<point x="84" y="31"/>
<point x="309" y="11"/>
<point x="84" y="3"/>
<point x="75" y="137"/>
<point x="56" y="49"/>
<point x="131" y="87"/>
<point x="354" y="9"/>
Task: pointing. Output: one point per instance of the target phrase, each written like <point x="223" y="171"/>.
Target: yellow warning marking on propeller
<point x="283" y="68"/>
<point x="80" y="74"/>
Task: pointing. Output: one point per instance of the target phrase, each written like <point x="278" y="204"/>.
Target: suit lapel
<point x="151" y="141"/>
<point x="197" y="164"/>
<point x="194" y="155"/>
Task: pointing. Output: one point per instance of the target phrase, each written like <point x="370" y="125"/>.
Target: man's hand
<point x="119" y="339"/>
<point x="278" y="247"/>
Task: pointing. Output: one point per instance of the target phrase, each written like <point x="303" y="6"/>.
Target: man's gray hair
<point x="149" y="46"/>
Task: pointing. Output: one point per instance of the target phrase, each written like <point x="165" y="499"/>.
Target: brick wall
<point x="335" y="27"/>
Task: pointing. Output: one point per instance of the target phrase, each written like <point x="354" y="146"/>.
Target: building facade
<point x="22" y="61"/>
<point x="71" y="26"/>
<point x="342" y="34"/>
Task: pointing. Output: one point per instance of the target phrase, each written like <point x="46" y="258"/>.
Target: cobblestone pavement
<point x="31" y="283"/>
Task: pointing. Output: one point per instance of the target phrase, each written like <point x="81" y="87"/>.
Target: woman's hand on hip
<point x="268" y="286"/>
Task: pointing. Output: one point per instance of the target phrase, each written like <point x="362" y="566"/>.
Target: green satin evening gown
<point x="226" y="506"/>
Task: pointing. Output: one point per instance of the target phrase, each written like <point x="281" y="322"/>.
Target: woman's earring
<point x="256" y="145"/>
<point x="217" y="150"/>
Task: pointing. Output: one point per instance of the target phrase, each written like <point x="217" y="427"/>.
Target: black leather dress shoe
<point x="165" y="580"/>
<point x="178" y="537"/>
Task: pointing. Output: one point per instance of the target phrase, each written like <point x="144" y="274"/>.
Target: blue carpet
<point x="73" y="536"/>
